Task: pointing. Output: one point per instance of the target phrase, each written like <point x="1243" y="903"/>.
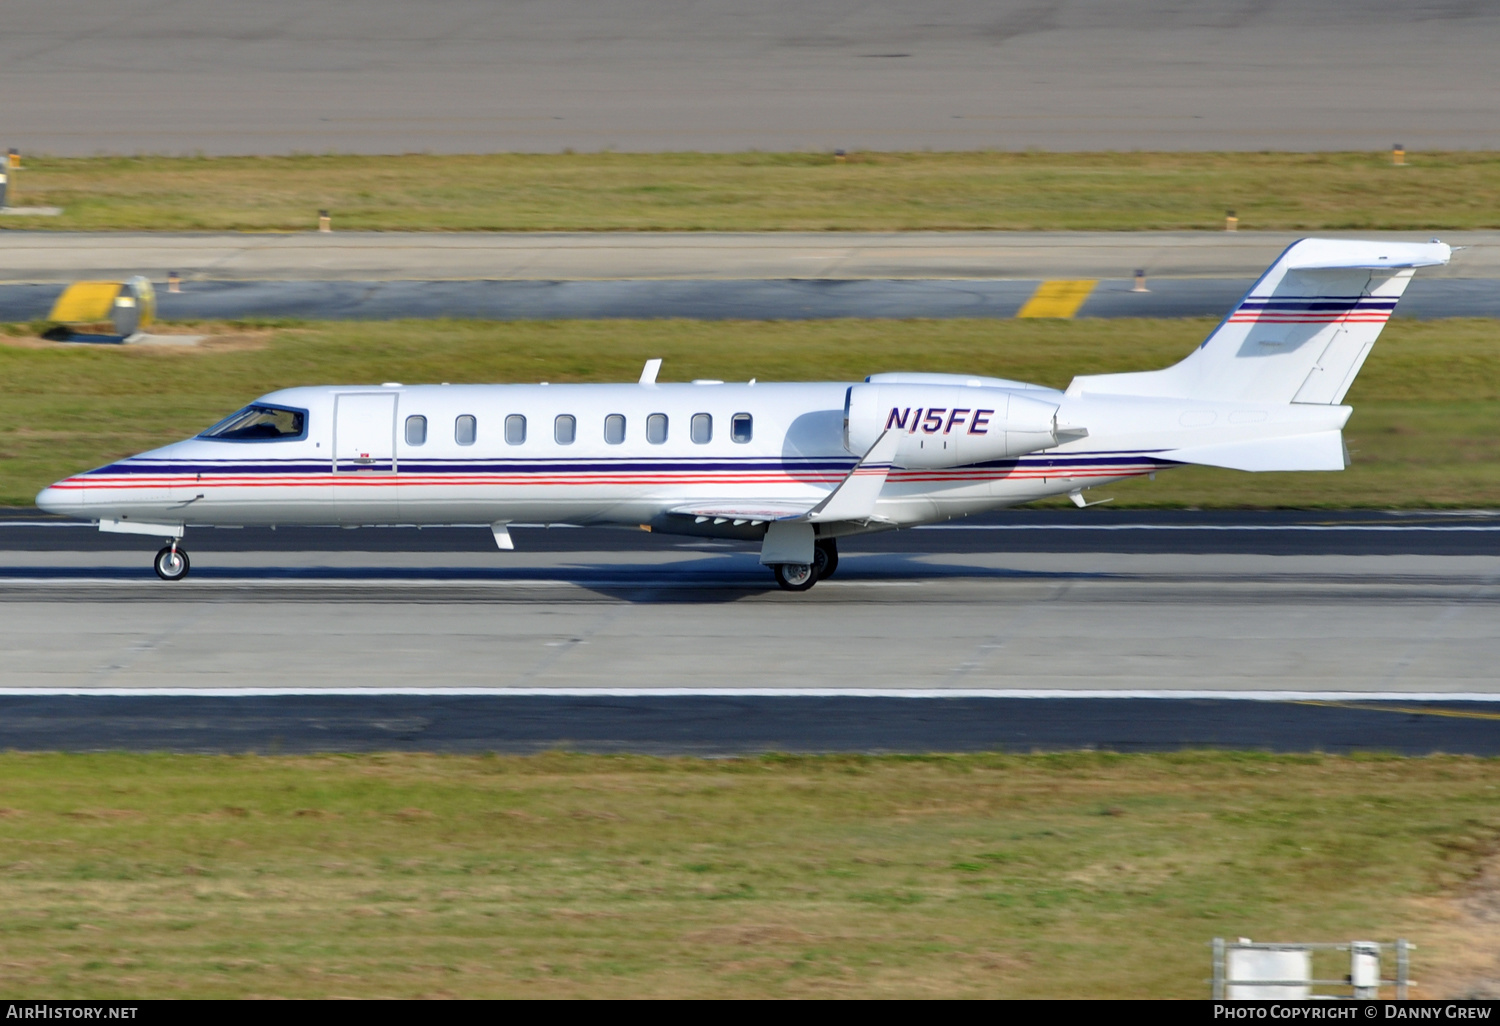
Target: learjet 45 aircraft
<point x="793" y="466"/>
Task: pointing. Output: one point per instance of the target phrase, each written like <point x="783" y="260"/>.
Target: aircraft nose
<point x="66" y="501"/>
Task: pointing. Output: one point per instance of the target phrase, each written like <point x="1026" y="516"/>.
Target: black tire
<point x="795" y="576"/>
<point x="826" y="558"/>
<point x="172" y="564"/>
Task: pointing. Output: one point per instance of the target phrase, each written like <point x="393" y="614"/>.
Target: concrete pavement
<point x="709" y="617"/>
<point x="1329" y="631"/>
<point x="574" y="256"/>
<point x="466" y="76"/>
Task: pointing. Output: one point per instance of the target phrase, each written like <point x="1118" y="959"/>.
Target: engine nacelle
<point x="948" y="426"/>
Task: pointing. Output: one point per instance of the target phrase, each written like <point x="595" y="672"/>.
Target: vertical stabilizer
<point x="1300" y="334"/>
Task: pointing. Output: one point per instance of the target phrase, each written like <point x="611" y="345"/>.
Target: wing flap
<point x="751" y="512"/>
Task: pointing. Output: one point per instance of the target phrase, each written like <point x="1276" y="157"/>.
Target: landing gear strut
<point x="172" y="563"/>
<point x="801" y="576"/>
<point x="826" y="557"/>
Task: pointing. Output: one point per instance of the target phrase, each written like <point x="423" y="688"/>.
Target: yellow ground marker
<point x="1459" y="714"/>
<point x="1058" y="298"/>
<point x="85" y="301"/>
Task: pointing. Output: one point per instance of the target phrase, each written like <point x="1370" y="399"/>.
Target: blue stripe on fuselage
<point x="594" y="466"/>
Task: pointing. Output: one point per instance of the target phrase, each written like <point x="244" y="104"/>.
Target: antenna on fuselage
<point x="649" y="372"/>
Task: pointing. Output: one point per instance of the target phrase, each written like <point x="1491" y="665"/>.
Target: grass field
<point x="1424" y="432"/>
<point x="1083" y="875"/>
<point x="766" y="191"/>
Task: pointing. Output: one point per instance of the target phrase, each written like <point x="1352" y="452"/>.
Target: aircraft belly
<point x="308" y="496"/>
<point x="268" y="502"/>
<point x="919" y="497"/>
<point x="570" y="502"/>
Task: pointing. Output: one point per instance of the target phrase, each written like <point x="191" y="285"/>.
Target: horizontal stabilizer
<point x="1322" y="450"/>
<point x="1341" y="254"/>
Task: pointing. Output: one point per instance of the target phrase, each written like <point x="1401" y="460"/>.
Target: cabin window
<point x="564" y="428"/>
<point x="702" y="428"/>
<point x="258" y="423"/>
<point x="416" y="430"/>
<point x="741" y="427"/>
<point x="464" y="429"/>
<point x="515" y="429"/>
<point x="614" y="428"/>
<point x="656" y="428"/>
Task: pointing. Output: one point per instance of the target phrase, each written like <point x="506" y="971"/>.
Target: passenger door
<point x="364" y="456"/>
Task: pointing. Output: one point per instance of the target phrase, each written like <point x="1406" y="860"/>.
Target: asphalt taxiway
<point x="707" y="275"/>
<point x="1058" y="628"/>
<point x="714" y="300"/>
<point x="709" y="725"/>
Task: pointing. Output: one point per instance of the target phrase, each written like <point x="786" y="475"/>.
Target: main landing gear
<point x="172" y="563"/>
<point x="801" y="576"/>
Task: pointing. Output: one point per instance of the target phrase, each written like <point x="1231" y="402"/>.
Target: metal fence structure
<point x="1247" y="971"/>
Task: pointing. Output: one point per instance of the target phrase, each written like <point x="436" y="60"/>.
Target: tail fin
<point x="1301" y="333"/>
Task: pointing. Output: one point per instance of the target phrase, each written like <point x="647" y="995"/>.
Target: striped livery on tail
<point x="1300" y="334"/>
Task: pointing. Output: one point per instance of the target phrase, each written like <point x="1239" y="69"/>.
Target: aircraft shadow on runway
<point x="730" y="577"/>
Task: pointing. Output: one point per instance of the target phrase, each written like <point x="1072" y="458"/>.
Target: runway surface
<point x="29" y="533"/>
<point x="1040" y="629"/>
<point x="691" y="256"/>
<point x="714" y="300"/>
<point x="317" y="76"/>
<point x="1049" y="601"/>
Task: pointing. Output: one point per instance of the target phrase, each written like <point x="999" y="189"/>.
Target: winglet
<point x="649" y="372"/>
<point x="855" y="498"/>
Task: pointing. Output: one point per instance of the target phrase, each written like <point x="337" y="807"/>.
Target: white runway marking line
<point x="1205" y="527"/>
<point x="361" y="582"/>
<point x="908" y="693"/>
<point x="248" y="583"/>
<point x="1007" y="527"/>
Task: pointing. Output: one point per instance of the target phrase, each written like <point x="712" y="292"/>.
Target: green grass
<point x="1077" y="875"/>
<point x="1424" y="431"/>
<point x="766" y="192"/>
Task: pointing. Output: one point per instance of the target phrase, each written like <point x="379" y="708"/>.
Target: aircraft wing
<point x="854" y="498"/>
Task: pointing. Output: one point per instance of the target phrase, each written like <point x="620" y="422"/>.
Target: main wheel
<point x="172" y="563"/>
<point x="826" y="558"/>
<point x="795" y="576"/>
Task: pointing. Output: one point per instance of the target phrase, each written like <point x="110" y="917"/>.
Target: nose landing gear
<point x="172" y="563"/>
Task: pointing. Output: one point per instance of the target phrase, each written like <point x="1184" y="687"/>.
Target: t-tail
<point x="1301" y="333"/>
<point x="1294" y="343"/>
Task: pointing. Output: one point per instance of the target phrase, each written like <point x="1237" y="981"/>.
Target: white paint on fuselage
<point x="796" y="455"/>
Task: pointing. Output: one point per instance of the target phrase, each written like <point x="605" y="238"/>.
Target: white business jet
<point x="793" y="466"/>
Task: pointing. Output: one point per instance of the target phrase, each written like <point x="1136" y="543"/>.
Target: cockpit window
<point x="257" y="423"/>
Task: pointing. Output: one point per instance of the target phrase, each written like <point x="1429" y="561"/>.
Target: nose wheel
<point x="172" y="563"/>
